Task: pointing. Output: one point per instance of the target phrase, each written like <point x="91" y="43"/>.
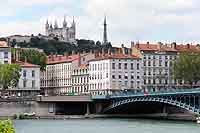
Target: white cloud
<point x="128" y="20"/>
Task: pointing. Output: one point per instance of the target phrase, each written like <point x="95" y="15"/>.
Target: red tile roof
<point x="57" y="59"/>
<point x="166" y="48"/>
<point x="154" y="47"/>
<point x="26" y="64"/>
<point x="187" y="47"/>
<point x="115" y="56"/>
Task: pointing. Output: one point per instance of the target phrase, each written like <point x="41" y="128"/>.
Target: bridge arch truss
<point x="187" y="102"/>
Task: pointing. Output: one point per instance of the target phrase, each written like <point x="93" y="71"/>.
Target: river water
<point x="105" y="126"/>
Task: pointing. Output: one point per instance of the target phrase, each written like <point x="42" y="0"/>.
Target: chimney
<point x="132" y="44"/>
<point x="66" y="55"/>
<point x="103" y="52"/>
<point x="73" y="52"/>
<point x="130" y="51"/>
<point x="79" y="59"/>
<point x="188" y="45"/>
<point x="173" y="45"/>
<point x="137" y="44"/>
<point x="160" y="45"/>
<point x="91" y="51"/>
<point x="60" y="57"/>
<point x="109" y="51"/>
<point x="123" y="49"/>
<point x="25" y="60"/>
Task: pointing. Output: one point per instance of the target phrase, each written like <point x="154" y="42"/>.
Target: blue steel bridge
<point x="188" y="99"/>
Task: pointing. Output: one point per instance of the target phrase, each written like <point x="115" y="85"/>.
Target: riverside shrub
<point x="6" y="126"/>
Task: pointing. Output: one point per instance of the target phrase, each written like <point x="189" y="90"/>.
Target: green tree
<point x="9" y="75"/>
<point x="55" y="46"/>
<point x="34" y="57"/>
<point x="187" y="67"/>
<point x="6" y="126"/>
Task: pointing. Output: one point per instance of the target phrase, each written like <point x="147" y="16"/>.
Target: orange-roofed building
<point x="60" y="78"/>
<point x="157" y="59"/>
<point x="29" y="82"/>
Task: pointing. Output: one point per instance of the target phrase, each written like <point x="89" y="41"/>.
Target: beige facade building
<point x="65" y="75"/>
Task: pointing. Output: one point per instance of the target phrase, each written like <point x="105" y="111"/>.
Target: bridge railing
<point x="152" y="91"/>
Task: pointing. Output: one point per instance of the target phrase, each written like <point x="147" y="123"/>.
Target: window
<point x="132" y="84"/>
<point x="166" y="81"/>
<point x="154" y="63"/>
<point x="138" y="77"/>
<point x="145" y="81"/>
<point x="149" y="81"/>
<point x="160" y="62"/>
<point x="113" y="76"/>
<point x="125" y="77"/>
<point x="126" y="83"/>
<point x="5" y="62"/>
<point x="131" y="66"/>
<point x="132" y="77"/>
<point x="149" y="63"/>
<point x="120" y="66"/>
<point x="24" y="84"/>
<point x="106" y="75"/>
<point x="33" y="84"/>
<point x="144" y="63"/>
<point x="125" y="65"/>
<point x="138" y="66"/>
<point x="113" y="65"/>
<point x="120" y="76"/>
<point x="33" y="73"/>
<point x="6" y="55"/>
<point x="166" y="64"/>
<point x="24" y="73"/>
<point x="154" y="81"/>
<point x="160" y="81"/>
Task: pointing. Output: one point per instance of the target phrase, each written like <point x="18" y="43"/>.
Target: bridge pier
<point x="88" y="109"/>
<point x="98" y="108"/>
<point x="164" y="111"/>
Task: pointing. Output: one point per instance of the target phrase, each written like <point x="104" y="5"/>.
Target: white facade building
<point x="80" y="79"/>
<point x="115" y="72"/>
<point x="157" y="63"/>
<point x="29" y="82"/>
<point x="5" y="53"/>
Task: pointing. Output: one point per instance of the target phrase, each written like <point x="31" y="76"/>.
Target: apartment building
<point x="65" y="74"/>
<point x="114" y="72"/>
<point x="5" y="53"/>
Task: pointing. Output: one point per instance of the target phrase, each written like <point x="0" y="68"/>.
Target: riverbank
<point x="159" y="116"/>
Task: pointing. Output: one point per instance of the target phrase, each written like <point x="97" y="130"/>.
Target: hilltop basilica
<point x="65" y="33"/>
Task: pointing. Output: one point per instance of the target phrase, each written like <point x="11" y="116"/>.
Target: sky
<point x="128" y="20"/>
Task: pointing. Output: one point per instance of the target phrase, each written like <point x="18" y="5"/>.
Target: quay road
<point x="121" y="102"/>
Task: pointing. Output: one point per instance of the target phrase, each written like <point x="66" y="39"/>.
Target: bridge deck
<point x="64" y="99"/>
<point x="121" y="94"/>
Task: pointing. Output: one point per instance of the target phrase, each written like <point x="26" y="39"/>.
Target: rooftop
<point x="115" y="56"/>
<point x="3" y="44"/>
<point x="26" y="64"/>
<point x="165" y="47"/>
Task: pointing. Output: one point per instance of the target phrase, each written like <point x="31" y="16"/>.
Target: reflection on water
<point x="105" y="126"/>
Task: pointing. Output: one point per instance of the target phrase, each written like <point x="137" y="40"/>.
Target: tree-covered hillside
<point x="54" y="46"/>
